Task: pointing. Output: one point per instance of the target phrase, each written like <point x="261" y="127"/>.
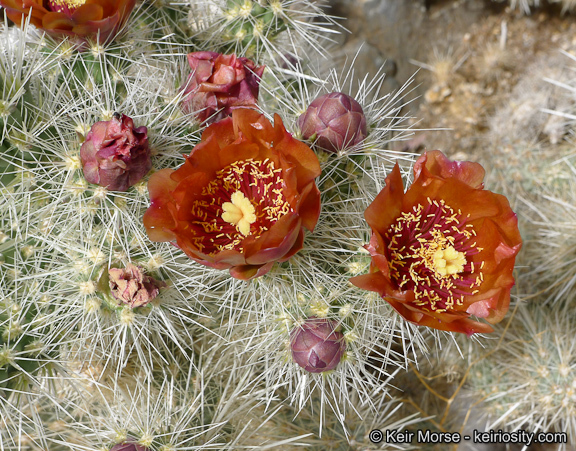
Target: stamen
<point x="430" y="250"/>
<point x="72" y="4"/>
<point x="256" y="193"/>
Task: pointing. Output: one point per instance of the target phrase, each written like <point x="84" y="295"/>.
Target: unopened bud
<point x="335" y="121"/>
<point x="316" y="345"/>
<point x="129" y="447"/>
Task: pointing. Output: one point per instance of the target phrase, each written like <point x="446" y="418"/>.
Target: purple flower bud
<point x="128" y="447"/>
<point x="316" y="345"/>
<point x="115" y="154"/>
<point x="131" y="287"/>
<point x="219" y="84"/>
<point x="335" y="120"/>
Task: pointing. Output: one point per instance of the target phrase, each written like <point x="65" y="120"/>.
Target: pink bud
<point x="219" y="84"/>
<point x="131" y="287"/>
<point x="128" y="447"/>
<point x="335" y="120"/>
<point x="115" y="154"/>
<point x="316" y="345"/>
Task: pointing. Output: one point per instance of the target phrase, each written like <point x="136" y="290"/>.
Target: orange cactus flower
<point x="241" y="199"/>
<point x="74" y="18"/>
<point x="444" y="249"/>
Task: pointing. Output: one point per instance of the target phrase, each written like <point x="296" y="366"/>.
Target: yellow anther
<point x="240" y="212"/>
<point x="448" y="261"/>
<point x="69" y="3"/>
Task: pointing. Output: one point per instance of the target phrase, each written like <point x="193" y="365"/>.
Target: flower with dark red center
<point x="128" y="446"/>
<point x="132" y="287"/>
<point x="445" y="249"/>
<point x="74" y="18"/>
<point x="115" y="154"/>
<point x="218" y="84"/>
<point x="335" y="121"/>
<point x="241" y="200"/>
<point x="316" y="345"/>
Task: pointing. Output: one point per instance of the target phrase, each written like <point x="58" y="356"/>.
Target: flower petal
<point x="57" y="21"/>
<point x="274" y="243"/>
<point x="374" y="281"/>
<point x="435" y="164"/>
<point x="376" y="248"/>
<point x="158" y="219"/>
<point x="306" y="162"/>
<point x="387" y="205"/>
<point x="463" y="325"/>
<point x="247" y="272"/>
<point x="309" y="206"/>
<point x="88" y="12"/>
<point x="298" y="244"/>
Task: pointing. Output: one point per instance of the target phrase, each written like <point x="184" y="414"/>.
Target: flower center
<point x="239" y="212"/>
<point x="245" y="199"/>
<point x="440" y="256"/>
<point x="65" y="6"/>
<point x="449" y="261"/>
<point x="431" y="252"/>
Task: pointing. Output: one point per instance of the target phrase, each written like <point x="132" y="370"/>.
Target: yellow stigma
<point x="240" y="212"/>
<point x="448" y="261"/>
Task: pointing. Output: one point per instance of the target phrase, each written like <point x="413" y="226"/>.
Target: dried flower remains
<point x="116" y="155"/>
<point x="218" y="84"/>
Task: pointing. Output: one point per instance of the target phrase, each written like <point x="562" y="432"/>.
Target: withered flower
<point x="218" y="84"/>
<point x="115" y="154"/>
<point x="445" y="249"/>
<point x="241" y="200"/>
<point x="316" y="345"/>
<point x="335" y="121"/>
<point x="132" y="287"/>
<point x="73" y="18"/>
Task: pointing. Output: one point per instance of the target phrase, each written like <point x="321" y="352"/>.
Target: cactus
<point x="119" y="329"/>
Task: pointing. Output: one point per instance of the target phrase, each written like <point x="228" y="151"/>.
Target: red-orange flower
<point x="445" y="249"/>
<point x="242" y="198"/>
<point x="81" y="18"/>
